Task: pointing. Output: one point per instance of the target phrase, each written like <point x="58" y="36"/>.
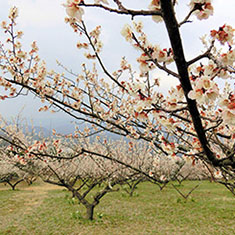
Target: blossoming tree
<point x="10" y="175"/>
<point x="195" y="120"/>
<point x="10" y="171"/>
<point x="89" y="169"/>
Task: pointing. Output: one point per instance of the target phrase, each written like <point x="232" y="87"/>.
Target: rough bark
<point x="182" y="67"/>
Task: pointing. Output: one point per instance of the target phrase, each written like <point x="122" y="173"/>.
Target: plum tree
<point x="195" y="120"/>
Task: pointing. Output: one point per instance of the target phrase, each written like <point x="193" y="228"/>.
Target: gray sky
<point x="43" y="21"/>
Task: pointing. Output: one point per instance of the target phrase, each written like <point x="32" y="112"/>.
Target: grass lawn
<point x="47" y="209"/>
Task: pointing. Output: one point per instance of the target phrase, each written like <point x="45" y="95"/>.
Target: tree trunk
<point x="90" y="212"/>
<point x="13" y="186"/>
<point x="182" y="67"/>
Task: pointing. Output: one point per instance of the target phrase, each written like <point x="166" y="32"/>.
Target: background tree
<point x="88" y="168"/>
<point x="10" y="175"/>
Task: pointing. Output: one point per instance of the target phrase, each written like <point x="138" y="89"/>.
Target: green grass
<point x="43" y="210"/>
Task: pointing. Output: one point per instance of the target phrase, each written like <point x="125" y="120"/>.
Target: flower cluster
<point x="224" y="34"/>
<point x="126" y="32"/>
<point x="204" y="91"/>
<point x="228" y="108"/>
<point x="176" y="99"/>
<point x="228" y="58"/>
<point x="94" y="36"/>
<point x="162" y="55"/>
<point x="82" y="45"/>
<point x="202" y="8"/>
<point x="13" y="13"/>
<point x="73" y="10"/>
<point x="151" y="54"/>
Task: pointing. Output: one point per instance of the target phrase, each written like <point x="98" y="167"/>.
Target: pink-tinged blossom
<point x="204" y="91"/>
<point x="82" y="45"/>
<point x="223" y="74"/>
<point x="224" y="34"/>
<point x="229" y="116"/>
<point x="203" y="8"/>
<point x="13" y="13"/>
<point x="19" y="34"/>
<point x="73" y="10"/>
<point x="138" y="26"/>
<point x="124" y="64"/>
<point x="90" y="56"/>
<point x="21" y="54"/>
<point x="126" y="32"/>
<point x="228" y="58"/>
<point x="155" y="6"/>
<point x="144" y="64"/>
<point x="142" y="116"/>
<point x="162" y="55"/>
<point x="137" y="86"/>
<point x="228" y="109"/>
<point x="4" y="24"/>
<point x="169" y="124"/>
<point x="170" y="148"/>
<point x="176" y="98"/>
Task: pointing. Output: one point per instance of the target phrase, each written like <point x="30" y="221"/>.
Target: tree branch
<point x="122" y="10"/>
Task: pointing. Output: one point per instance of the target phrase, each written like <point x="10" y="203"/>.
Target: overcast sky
<point x="43" y="21"/>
